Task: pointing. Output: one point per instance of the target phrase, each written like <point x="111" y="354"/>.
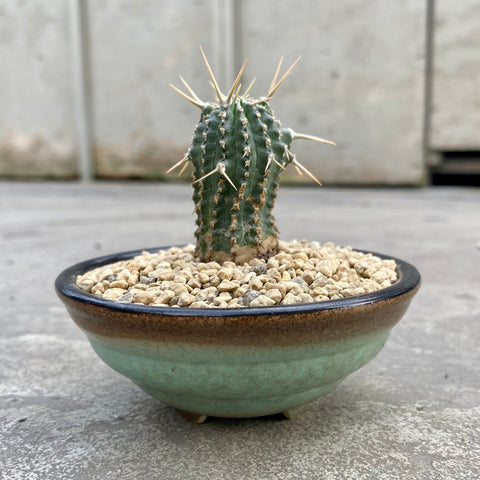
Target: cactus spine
<point x="238" y="151"/>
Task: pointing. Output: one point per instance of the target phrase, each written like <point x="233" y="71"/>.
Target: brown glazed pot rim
<point x="408" y="281"/>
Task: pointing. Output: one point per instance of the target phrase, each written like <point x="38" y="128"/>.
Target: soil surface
<point x="301" y="272"/>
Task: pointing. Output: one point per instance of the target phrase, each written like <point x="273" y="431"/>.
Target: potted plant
<point x="240" y="324"/>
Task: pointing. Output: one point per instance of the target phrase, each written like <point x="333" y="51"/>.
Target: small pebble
<point x="325" y="267"/>
<point x="165" y="296"/>
<point x="223" y="297"/>
<point x="262" y="301"/>
<point x="225" y="273"/>
<point x="275" y="294"/>
<point x="185" y="300"/>
<point x="256" y="284"/>
<point x="308" y="276"/>
<point x="300" y="281"/>
<point x="194" y="283"/>
<point x="86" y="284"/>
<point x="249" y="296"/>
<point x="98" y="289"/>
<point x="113" y="293"/>
<point x="119" y="284"/>
<point x="259" y="268"/>
<point x="201" y="304"/>
<point x="286" y="277"/>
<point x="291" y="299"/>
<point x="127" y="297"/>
<point x="228" y="286"/>
<point x="142" y="297"/>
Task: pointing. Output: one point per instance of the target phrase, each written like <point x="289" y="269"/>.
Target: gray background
<point x="85" y="83"/>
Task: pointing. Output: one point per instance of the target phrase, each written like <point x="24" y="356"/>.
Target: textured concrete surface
<point x="412" y="413"/>
<point x="456" y="75"/>
<point x="363" y="90"/>
<point x="360" y="83"/>
<point x="36" y="93"/>
<point x="141" y="125"/>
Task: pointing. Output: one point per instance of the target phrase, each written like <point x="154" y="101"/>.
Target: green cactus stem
<point x="238" y="152"/>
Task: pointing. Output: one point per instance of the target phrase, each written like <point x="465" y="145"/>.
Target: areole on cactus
<point x="238" y="151"/>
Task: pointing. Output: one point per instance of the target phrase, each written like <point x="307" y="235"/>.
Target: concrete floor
<point x="412" y="413"/>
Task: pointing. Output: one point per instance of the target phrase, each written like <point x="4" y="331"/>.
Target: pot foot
<point x="293" y="412"/>
<point x="191" y="416"/>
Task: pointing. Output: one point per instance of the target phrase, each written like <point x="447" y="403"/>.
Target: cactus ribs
<point x="238" y="151"/>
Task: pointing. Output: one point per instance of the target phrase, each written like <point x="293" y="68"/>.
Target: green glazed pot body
<point x="236" y="381"/>
<point x="237" y="362"/>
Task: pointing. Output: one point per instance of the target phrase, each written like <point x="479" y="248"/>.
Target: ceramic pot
<point x="241" y="362"/>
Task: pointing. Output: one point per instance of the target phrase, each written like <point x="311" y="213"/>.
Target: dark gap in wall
<point x="455" y="180"/>
<point x="457" y="168"/>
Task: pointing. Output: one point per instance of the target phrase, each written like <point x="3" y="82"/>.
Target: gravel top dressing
<point x="301" y="272"/>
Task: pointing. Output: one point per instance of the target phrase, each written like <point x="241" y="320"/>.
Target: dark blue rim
<point x="409" y="279"/>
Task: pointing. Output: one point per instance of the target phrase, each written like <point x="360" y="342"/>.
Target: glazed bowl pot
<point x="240" y="362"/>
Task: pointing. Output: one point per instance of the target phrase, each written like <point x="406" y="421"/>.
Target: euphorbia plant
<point x="238" y="151"/>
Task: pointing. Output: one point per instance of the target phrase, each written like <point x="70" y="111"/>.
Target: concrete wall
<point x="456" y="76"/>
<point x="359" y="83"/>
<point x="101" y="93"/>
<point x="141" y="125"/>
<point x="36" y="95"/>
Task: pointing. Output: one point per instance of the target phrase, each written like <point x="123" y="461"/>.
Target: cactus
<point x="238" y="151"/>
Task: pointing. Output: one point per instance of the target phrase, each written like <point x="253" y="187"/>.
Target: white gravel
<point x="301" y="272"/>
